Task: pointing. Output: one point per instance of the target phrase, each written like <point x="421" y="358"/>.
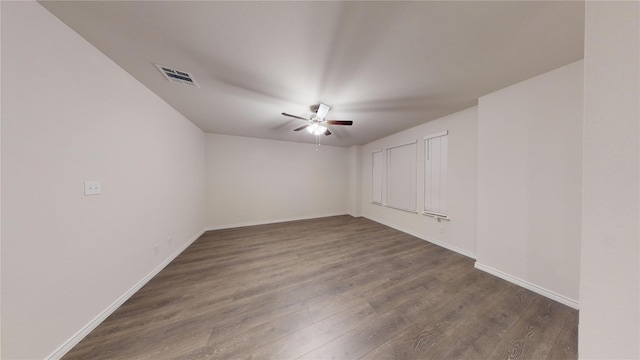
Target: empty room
<point x="320" y="180"/>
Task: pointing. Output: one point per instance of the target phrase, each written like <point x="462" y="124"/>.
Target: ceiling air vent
<point x="177" y="76"/>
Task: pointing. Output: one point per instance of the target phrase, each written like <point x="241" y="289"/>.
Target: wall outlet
<point x="92" y="188"/>
<point x="156" y="249"/>
<point x="169" y="241"/>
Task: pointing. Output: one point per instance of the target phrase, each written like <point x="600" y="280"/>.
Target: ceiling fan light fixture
<point x="323" y="110"/>
<point x="316" y="122"/>
<point x="316" y="129"/>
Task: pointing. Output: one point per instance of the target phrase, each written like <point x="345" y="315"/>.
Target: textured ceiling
<point x="387" y="66"/>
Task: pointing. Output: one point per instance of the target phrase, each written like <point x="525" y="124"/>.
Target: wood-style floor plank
<point x="329" y="288"/>
<point x="320" y="333"/>
<point x="566" y="345"/>
<point x="533" y="336"/>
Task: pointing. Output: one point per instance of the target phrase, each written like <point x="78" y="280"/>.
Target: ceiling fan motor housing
<point x="317" y="124"/>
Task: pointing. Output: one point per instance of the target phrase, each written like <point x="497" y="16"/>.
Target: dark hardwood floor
<point x="330" y="288"/>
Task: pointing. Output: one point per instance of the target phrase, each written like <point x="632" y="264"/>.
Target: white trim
<point x="438" y="134"/>
<point x="274" y="221"/>
<point x="453" y="248"/>
<point x="436" y="216"/>
<point x="405" y="144"/>
<point x="529" y="286"/>
<point x="75" y="339"/>
<point x="399" y="208"/>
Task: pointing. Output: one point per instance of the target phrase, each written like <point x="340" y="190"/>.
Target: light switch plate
<point x="92" y="188"/>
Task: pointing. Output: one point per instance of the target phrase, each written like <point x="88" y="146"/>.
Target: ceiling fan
<point x="317" y="124"/>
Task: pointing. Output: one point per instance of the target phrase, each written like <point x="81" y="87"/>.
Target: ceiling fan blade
<point x="339" y="122"/>
<point x="295" y="116"/>
<point x="323" y="110"/>
<point x="301" y="128"/>
<point x="327" y="133"/>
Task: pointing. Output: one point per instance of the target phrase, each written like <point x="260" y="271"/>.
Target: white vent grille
<point x="178" y="76"/>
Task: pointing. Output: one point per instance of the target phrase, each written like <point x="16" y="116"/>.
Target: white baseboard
<point x="529" y="286"/>
<point x="75" y="339"/>
<point x="426" y="238"/>
<point x="274" y="221"/>
<point x="512" y="279"/>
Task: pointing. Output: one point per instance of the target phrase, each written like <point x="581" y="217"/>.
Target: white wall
<point x="70" y="114"/>
<point x="610" y="271"/>
<point x="529" y="182"/>
<point x="254" y="181"/>
<point x="0" y="188"/>
<point x="459" y="233"/>
<point x="355" y="181"/>
<point x="67" y="258"/>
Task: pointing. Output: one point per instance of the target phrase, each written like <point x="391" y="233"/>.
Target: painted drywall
<point x="610" y="271"/>
<point x="459" y="233"/>
<point x="70" y="114"/>
<point x="0" y="186"/>
<point x="355" y="181"/>
<point x="255" y="181"/>
<point x="530" y="181"/>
